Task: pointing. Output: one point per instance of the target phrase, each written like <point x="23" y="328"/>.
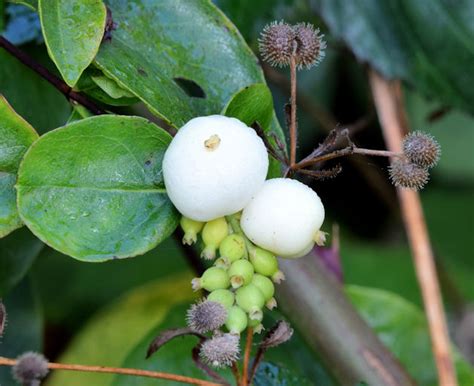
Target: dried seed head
<point x="206" y="316"/>
<point x="30" y="368"/>
<point x="310" y="45"/>
<point x="421" y="149"/>
<point x="280" y="333"/>
<point x="405" y="174"/>
<point x="276" y="43"/>
<point x="221" y="350"/>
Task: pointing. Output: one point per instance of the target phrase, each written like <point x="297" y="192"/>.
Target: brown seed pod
<point x="310" y="46"/>
<point x="421" y="149"/>
<point x="409" y="175"/>
<point x="276" y="43"/>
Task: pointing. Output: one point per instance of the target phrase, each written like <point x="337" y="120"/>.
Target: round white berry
<point x="284" y="217"/>
<point x="213" y="167"/>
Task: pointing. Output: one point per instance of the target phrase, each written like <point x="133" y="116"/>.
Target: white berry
<point x="213" y="167"/>
<point x="284" y="217"/>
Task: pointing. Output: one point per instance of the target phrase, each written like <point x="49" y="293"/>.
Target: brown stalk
<point x="293" y="130"/>
<point x="388" y="104"/>
<point x="115" y="370"/>
<point x="248" y="349"/>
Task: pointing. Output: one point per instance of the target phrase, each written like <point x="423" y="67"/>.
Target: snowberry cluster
<point x="214" y="171"/>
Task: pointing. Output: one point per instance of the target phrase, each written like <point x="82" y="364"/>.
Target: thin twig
<point x="271" y="150"/>
<point x="293" y="129"/>
<point x="235" y="372"/>
<point x="115" y="370"/>
<point x="248" y="349"/>
<point x="350" y="150"/>
<point x="59" y="84"/>
<point x="388" y="107"/>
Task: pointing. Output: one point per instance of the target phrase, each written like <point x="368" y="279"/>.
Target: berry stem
<point x="118" y="370"/>
<point x="235" y="225"/>
<point x="248" y="349"/>
<point x="293" y="130"/>
<point x="390" y="110"/>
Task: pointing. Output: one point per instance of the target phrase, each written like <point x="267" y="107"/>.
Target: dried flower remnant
<point x="279" y="334"/>
<point x="30" y="369"/>
<point x="206" y="316"/>
<point x="421" y="149"/>
<point x="221" y="350"/>
<point x="409" y="175"/>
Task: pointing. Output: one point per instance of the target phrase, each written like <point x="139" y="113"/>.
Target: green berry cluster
<point x="242" y="276"/>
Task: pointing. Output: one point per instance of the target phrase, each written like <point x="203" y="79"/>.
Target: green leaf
<point x="16" y="136"/>
<point x="182" y="58"/>
<point x="17" y="252"/>
<point x="252" y="104"/>
<point x="402" y="328"/>
<point x="120" y="327"/>
<point x="402" y="39"/>
<point x="94" y="189"/>
<point x="31" y="96"/>
<point x="78" y="112"/>
<point x="33" y="4"/>
<point x="24" y="328"/>
<point x="2" y="15"/>
<point x="73" y="31"/>
<point x="100" y="87"/>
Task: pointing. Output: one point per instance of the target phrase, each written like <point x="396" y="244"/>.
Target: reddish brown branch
<point x="387" y="101"/>
<point x="293" y="130"/>
<point x="248" y="349"/>
<point x="122" y="371"/>
<point x="42" y="71"/>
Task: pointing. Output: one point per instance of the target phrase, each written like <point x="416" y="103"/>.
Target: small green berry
<point x="271" y="303"/>
<point x="240" y="273"/>
<point x="212" y="234"/>
<point x="251" y="300"/>
<point x="236" y="320"/>
<point x="222" y="296"/>
<point x="212" y="279"/>
<point x="264" y="262"/>
<point x="265" y="285"/>
<point x="232" y="247"/>
<point x="191" y="229"/>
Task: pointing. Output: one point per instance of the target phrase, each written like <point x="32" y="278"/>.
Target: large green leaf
<point x="73" y="31"/>
<point x="182" y="58"/>
<point x="16" y="136"/>
<point x="17" y="252"/>
<point x="429" y="45"/>
<point x="24" y="329"/>
<point x="120" y="327"/>
<point x="31" y="96"/>
<point x="402" y="328"/>
<point x="94" y="189"/>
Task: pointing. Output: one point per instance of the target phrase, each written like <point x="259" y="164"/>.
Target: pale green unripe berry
<point x="232" y="247"/>
<point x="240" y="273"/>
<point x="222" y="296"/>
<point x="264" y="262"/>
<point x="236" y="320"/>
<point x="212" y="279"/>
<point x="251" y="300"/>
<point x="265" y="285"/>
<point x="191" y="229"/>
<point x="212" y="234"/>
